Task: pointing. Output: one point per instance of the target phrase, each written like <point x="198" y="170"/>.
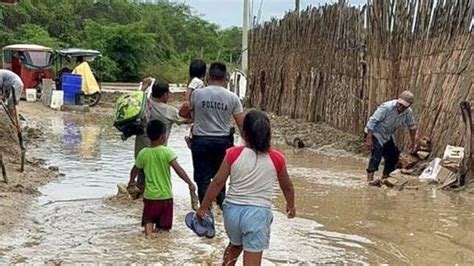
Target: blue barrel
<point x="71" y="85"/>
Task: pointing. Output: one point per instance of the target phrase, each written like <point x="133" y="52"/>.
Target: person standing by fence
<point x="380" y="129"/>
<point x="213" y="108"/>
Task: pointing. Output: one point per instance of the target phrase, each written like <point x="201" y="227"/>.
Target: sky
<point x="228" y="13"/>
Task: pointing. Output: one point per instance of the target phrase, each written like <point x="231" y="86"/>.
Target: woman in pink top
<point x="253" y="171"/>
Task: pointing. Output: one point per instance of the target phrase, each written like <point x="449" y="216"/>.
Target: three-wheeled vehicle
<point x="31" y="62"/>
<point x="68" y="59"/>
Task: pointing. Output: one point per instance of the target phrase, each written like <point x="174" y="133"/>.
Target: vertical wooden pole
<point x="245" y="26"/>
<point x="4" y="169"/>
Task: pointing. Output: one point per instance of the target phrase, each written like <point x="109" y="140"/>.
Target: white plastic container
<point x="57" y="99"/>
<point x="31" y="95"/>
<point x="431" y="172"/>
<point x="453" y="153"/>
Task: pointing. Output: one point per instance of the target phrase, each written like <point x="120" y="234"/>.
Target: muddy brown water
<point x="340" y="219"/>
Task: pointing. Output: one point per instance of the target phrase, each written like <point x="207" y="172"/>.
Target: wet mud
<point x="316" y="136"/>
<point x="340" y="220"/>
<point x="18" y="189"/>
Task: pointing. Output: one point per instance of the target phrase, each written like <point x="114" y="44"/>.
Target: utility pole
<point x="297" y="5"/>
<point x="245" y="29"/>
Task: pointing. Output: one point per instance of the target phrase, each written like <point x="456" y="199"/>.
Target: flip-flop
<point x="188" y="219"/>
<point x="211" y="230"/>
<point x="199" y="226"/>
<point x="195" y="224"/>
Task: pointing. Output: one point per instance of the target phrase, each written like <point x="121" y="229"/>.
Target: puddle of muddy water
<point x="341" y="221"/>
<point x="73" y="222"/>
<point x="424" y="226"/>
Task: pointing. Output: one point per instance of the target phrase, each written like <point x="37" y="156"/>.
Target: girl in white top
<point x="253" y="170"/>
<point x="197" y="72"/>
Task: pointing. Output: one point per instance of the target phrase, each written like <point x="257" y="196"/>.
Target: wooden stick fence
<point x="337" y="63"/>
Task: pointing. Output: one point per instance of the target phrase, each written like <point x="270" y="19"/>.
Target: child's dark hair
<point x="159" y="89"/>
<point x="218" y="71"/>
<point x="155" y="129"/>
<point x="197" y="69"/>
<point x="257" y="131"/>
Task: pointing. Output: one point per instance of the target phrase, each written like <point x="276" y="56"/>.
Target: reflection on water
<point x="340" y="220"/>
<point x="72" y="221"/>
<point x="422" y="226"/>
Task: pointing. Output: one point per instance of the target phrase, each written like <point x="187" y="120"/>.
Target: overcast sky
<point x="228" y="13"/>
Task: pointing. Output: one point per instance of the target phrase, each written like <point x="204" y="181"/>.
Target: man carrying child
<point x="213" y="108"/>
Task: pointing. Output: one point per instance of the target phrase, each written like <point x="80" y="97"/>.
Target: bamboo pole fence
<point x="336" y="63"/>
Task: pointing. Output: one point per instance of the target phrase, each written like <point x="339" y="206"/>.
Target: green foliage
<point x="32" y="33"/>
<point x="135" y="40"/>
<point x="127" y="45"/>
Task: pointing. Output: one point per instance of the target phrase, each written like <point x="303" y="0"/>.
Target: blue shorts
<point x="248" y="226"/>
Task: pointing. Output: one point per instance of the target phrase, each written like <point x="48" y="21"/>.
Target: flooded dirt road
<point x="341" y="220"/>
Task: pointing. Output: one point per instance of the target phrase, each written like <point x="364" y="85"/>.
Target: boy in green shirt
<point x="158" y="196"/>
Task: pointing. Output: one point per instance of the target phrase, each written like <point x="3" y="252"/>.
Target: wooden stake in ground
<point x="4" y="170"/>
<point x="22" y="144"/>
<point x="466" y="170"/>
<point x="18" y="129"/>
<point x="463" y="176"/>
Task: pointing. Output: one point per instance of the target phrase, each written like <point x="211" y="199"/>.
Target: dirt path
<point x="23" y="187"/>
<point x="340" y="219"/>
<point x="316" y="136"/>
<point x="74" y="220"/>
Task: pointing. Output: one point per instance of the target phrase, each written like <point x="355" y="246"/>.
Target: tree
<point x="135" y="40"/>
<point x="32" y="33"/>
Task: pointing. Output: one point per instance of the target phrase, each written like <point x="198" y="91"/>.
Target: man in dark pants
<point x="380" y="129"/>
<point x="213" y="108"/>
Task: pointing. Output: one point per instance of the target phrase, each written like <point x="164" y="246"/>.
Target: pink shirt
<point x="253" y="176"/>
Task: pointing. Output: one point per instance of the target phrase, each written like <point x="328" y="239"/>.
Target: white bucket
<point x="57" y="99"/>
<point x="31" y="95"/>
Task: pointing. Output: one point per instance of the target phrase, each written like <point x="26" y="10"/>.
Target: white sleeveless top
<point x="253" y="176"/>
